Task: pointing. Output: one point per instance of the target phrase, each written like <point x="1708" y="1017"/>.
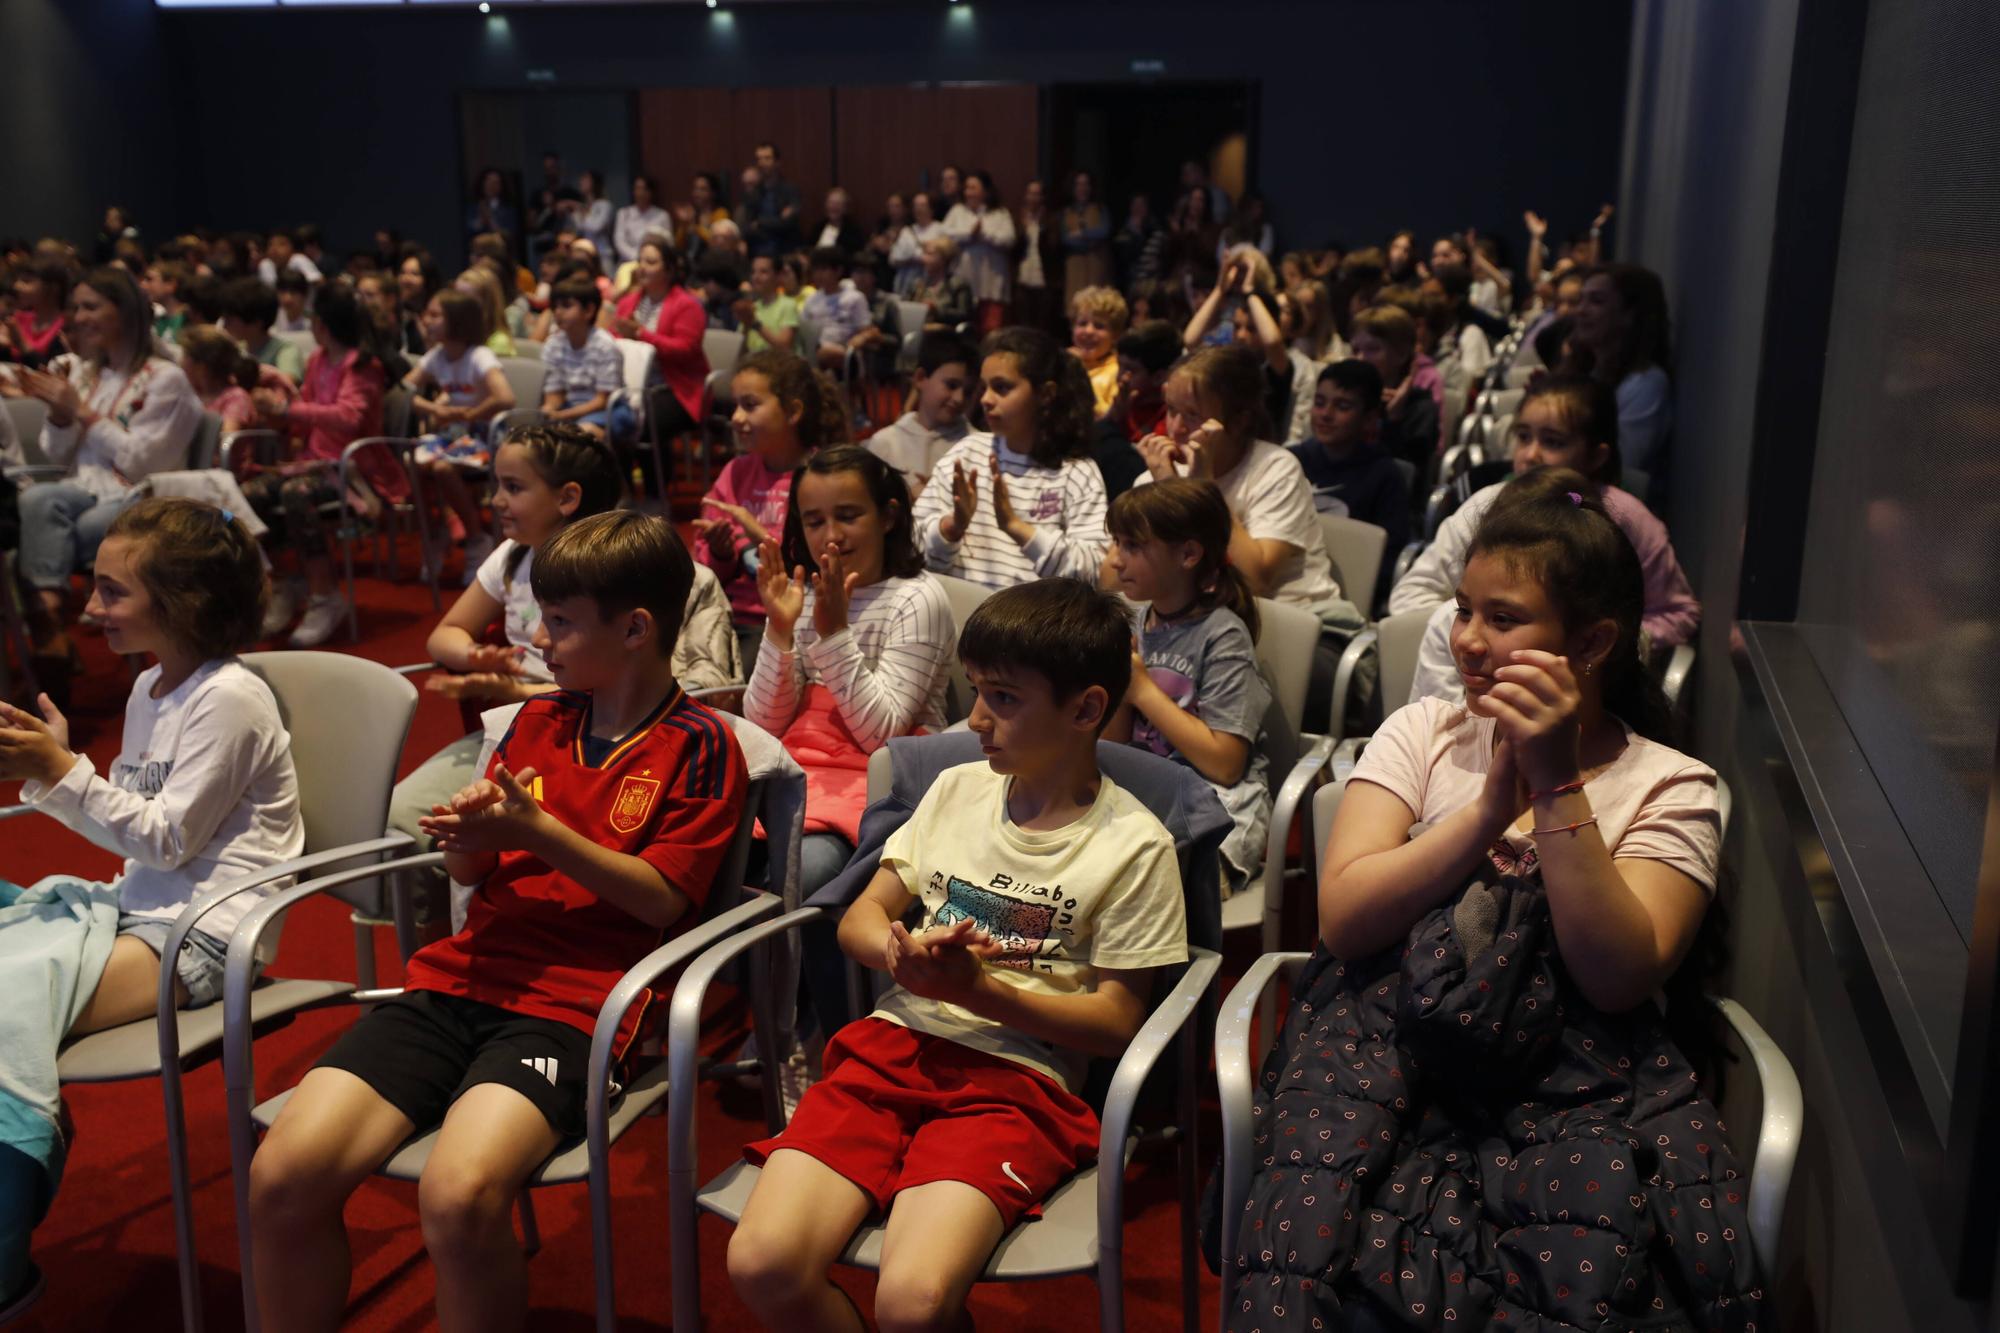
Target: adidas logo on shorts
<point x="543" y="1065"/>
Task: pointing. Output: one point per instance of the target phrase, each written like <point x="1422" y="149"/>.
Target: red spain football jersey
<point x="670" y="793"/>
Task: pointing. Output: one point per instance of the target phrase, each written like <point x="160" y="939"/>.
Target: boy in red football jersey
<point x="601" y="823"/>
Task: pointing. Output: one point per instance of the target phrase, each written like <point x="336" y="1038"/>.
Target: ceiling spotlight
<point x="485" y="8"/>
<point x="711" y="4"/>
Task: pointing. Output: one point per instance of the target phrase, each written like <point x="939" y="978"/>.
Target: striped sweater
<point x="1065" y="503"/>
<point x="887" y="669"/>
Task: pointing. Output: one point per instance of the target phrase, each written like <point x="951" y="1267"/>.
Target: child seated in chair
<point x="1050" y="897"/>
<point x="604" y="817"/>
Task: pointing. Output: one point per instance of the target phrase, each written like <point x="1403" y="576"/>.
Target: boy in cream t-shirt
<point x="1050" y="896"/>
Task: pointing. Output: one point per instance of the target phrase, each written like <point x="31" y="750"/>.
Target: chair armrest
<point x="417" y="668"/>
<point x="636" y="983"/>
<point x="226" y="454"/>
<point x="35" y="472"/>
<point x="1357" y="648"/>
<point x="1404" y="559"/>
<point x="1346" y="755"/>
<point x="192" y="914"/>
<point x="9" y="811"/>
<point x="238" y="972"/>
<point x="1777" y="1131"/>
<point x="514" y="417"/>
<point x="1235" y="1078"/>
<point x="1674" y="679"/>
<point x="1293" y="792"/>
<point x="1169" y="1016"/>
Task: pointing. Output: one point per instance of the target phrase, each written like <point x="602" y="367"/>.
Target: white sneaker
<point x="322" y="618"/>
<point x="476" y="550"/>
<point x="279" y="614"/>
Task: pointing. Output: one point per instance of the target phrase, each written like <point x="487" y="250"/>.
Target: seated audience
<point x="840" y="311"/>
<point x="41" y="296"/>
<point x="882" y="242"/>
<point x="1147" y="353"/>
<point x="1097" y="320"/>
<point x="339" y="402"/>
<point x="1622" y="338"/>
<point x="837" y="229"/>
<point x="1196" y="695"/>
<point x="220" y="375"/>
<point x="459" y="388"/>
<point x="611" y="592"/>
<point x="767" y="316"/>
<point x="118" y="412"/>
<point x="939" y="390"/>
<point x="906" y="256"/>
<point x="694" y="222"/>
<point x="293" y="291"/>
<point x="940" y="290"/>
<point x="1349" y="471"/>
<point x="583" y="368"/>
<point x="201" y="794"/>
<point x="281" y="256"/>
<point x="1386" y="338"/>
<point x="249" y="310"/>
<point x="417" y="280"/>
<point x="1463" y="353"/>
<point x="660" y="312"/>
<point x="955" y="1033"/>
<point x="162" y="282"/>
<point x="491" y="208"/>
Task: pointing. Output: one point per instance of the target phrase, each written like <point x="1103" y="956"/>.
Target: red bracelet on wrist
<point x="1563" y="790"/>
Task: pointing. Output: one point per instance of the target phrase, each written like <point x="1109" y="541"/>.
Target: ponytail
<point x="1183" y="509"/>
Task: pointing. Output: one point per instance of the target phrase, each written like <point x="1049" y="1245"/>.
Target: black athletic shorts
<point x="422" y="1050"/>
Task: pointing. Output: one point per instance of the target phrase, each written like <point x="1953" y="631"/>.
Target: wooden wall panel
<point x="873" y="140"/>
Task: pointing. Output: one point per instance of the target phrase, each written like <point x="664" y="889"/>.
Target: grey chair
<point x="1285" y="647"/>
<point x="965" y="597"/>
<point x="610" y="1109"/>
<point x="1081" y="1228"/>
<point x="345" y="774"/>
<point x="1772" y="1159"/>
<point x="1396" y="640"/>
<point x="1356" y="549"/>
<point x="28" y="414"/>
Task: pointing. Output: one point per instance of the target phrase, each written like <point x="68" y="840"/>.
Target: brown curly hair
<point x="823" y="420"/>
<point x="1063" y="397"/>
<point x="202" y="569"/>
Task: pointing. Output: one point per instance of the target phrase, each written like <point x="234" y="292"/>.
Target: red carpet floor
<point x="107" y="1245"/>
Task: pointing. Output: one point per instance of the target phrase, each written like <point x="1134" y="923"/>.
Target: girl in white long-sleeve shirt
<point x="203" y="791"/>
<point x="1021" y="500"/>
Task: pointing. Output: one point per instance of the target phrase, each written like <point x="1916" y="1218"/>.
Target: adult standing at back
<point x="983" y="230"/>
<point x="636" y="219"/>
<point x="1086" y="238"/>
<point x="592" y="213"/>
<point x="118" y="412"/>
<point x="771" y="206"/>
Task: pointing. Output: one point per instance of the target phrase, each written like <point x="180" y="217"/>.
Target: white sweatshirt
<point x="202" y="793"/>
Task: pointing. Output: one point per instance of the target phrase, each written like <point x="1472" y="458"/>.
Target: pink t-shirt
<point x="1653" y="803"/>
<point x="766" y="492"/>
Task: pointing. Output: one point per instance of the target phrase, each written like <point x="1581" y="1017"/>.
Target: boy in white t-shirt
<point x="915" y="441"/>
<point x="1050" y="896"/>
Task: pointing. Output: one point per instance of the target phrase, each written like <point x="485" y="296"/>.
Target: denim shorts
<point x="202" y="961"/>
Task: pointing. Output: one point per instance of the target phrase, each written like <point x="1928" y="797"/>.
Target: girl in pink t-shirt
<point x="784" y="411"/>
<point x="1550" y="762"/>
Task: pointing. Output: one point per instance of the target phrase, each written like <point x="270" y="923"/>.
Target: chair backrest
<point x="1286" y="638"/>
<point x="965" y="598"/>
<point x="524" y="377"/>
<point x="807" y="342"/>
<point x="528" y="348"/>
<point x="396" y="412"/>
<point x="207" y="442"/>
<point x="1398" y="639"/>
<point x="299" y="338"/>
<point x="1356" y="549"/>
<point x="346" y="771"/>
<point x="28" y="414"/>
<point x="638" y="358"/>
<point x="1506" y="402"/>
<point x="722" y="347"/>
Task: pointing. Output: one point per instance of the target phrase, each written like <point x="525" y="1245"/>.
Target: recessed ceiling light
<point x="485" y="8"/>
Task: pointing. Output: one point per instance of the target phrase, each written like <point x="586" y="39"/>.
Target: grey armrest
<point x="1357" y="648"/>
<point x="1293" y="792"/>
<point x="1235" y="1079"/>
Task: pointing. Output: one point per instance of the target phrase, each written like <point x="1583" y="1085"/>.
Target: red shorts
<point x="899" y="1108"/>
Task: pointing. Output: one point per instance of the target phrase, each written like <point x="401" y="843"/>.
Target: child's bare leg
<point x="491" y="1139"/>
<point x="799" y="1218"/>
<point x="939" y="1238"/>
<point x="454" y="492"/>
<point x="128" y="989"/>
<point x="333" y="1132"/>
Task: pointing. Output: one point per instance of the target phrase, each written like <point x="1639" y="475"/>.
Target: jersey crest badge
<point x="633" y="803"/>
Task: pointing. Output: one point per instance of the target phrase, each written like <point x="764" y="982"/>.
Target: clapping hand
<point x="964" y="503"/>
<point x="832" y="586"/>
<point x="495" y="814"/>
<point x="1004" y="517"/>
<point x="34" y="747"/>
<point x="61" y="396"/>
<point x="480" y="686"/>
<point x="783" y="594"/>
<point x="943" y="963"/>
<point x="752" y="529"/>
<point x="1535" y="701"/>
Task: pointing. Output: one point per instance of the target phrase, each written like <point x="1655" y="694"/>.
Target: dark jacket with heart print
<point x="1448" y="1135"/>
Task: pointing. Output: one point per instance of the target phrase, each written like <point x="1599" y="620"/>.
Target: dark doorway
<point x="1133" y="136"/>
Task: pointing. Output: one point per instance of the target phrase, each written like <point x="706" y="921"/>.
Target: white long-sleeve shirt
<point x="202" y="793"/>
<point x="886" y="670"/>
<point x="985" y="261"/>
<point x="146" y="421"/>
<point x="632" y="226"/>
<point x="1065" y="504"/>
<point x="906" y="256"/>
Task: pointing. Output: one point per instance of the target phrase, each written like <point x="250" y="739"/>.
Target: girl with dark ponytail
<point x="1196" y="695"/>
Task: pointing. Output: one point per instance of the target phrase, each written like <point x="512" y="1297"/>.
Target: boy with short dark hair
<point x="249" y="308"/>
<point x="583" y="366"/>
<point x="940" y="388"/>
<point x="1349" y="472"/>
<point x="1050" y="898"/>
<point x="1147" y="354"/>
<point x="605" y="816"/>
<point x="292" y="293"/>
<point x="840" y="311"/>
